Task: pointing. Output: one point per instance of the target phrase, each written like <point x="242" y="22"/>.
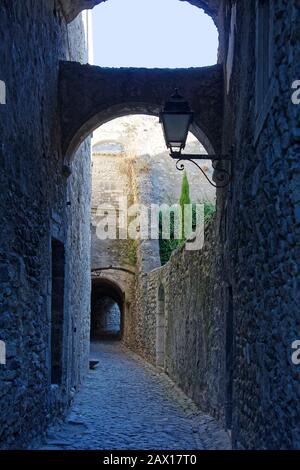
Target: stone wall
<point x="112" y="180"/>
<point x="39" y="202"/>
<point x="194" y="324"/>
<point x="130" y="161"/>
<point x="260" y="223"/>
<point x="141" y="138"/>
<point x="245" y="321"/>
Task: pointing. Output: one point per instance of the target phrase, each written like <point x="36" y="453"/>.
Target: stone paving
<point x="126" y="403"/>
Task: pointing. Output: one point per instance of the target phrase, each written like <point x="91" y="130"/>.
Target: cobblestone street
<point x="126" y="404"/>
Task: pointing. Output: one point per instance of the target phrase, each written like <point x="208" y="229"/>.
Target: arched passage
<point x="91" y="96"/>
<point x="72" y="8"/>
<point x="107" y="310"/>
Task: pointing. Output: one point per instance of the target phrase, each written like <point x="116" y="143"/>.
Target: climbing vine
<point x="132" y="252"/>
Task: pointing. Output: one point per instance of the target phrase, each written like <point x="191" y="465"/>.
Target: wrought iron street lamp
<point x="176" y="119"/>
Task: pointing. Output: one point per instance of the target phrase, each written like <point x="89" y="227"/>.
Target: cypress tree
<point x="184" y="198"/>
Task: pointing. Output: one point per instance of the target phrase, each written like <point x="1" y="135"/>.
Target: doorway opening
<point x="106" y="311"/>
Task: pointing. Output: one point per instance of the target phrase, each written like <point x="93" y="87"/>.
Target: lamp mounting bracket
<point x="222" y="177"/>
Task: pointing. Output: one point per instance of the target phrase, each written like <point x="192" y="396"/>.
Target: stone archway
<point x="72" y="8"/>
<point x="91" y="96"/>
<point x="107" y="310"/>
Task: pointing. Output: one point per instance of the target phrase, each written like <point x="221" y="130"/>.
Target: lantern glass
<point x="176" y="128"/>
<point x="176" y="118"/>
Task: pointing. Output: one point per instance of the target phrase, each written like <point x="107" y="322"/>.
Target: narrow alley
<point x="127" y="404"/>
<point x="150" y="222"/>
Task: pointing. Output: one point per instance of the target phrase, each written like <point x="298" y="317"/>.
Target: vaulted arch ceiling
<point x="107" y="288"/>
<point x="72" y="8"/>
<point x="91" y="96"/>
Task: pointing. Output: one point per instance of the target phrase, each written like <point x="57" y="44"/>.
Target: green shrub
<point x="166" y="247"/>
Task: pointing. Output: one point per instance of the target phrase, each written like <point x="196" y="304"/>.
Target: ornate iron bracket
<point x="222" y="176"/>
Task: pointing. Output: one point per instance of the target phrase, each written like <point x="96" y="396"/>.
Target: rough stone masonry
<point x="38" y="205"/>
<point x="232" y="311"/>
